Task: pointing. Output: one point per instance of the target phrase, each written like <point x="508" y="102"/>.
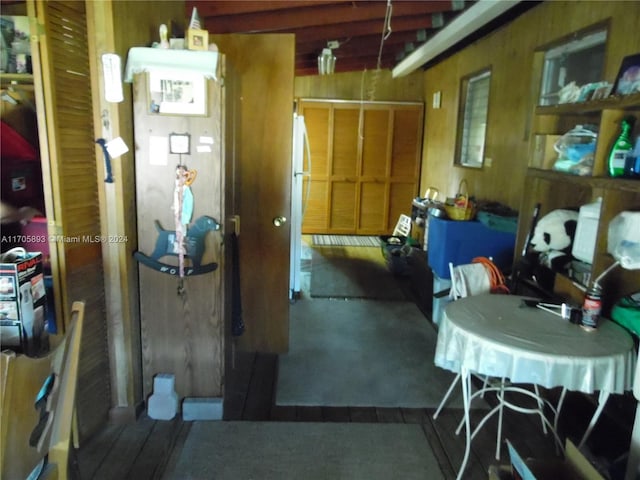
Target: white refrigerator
<point x="298" y="176"/>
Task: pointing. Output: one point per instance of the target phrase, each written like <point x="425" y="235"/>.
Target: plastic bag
<point x="623" y="239"/>
<point x="576" y="150"/>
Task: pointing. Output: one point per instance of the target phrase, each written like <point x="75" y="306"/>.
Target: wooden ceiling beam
<point x="355" y="66"/>
<point x="236" y="7"/>
<point x="317" y="16"/>
<point x="357" y="44"/>
<point x="354" y="62"/>
<point x="340" y="31"/>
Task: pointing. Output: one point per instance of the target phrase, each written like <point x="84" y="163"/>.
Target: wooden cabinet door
<point x="344" y="170"/>
<point x="374" y="171"/>
<point x="365" y="165"/>
<point x="406" y="157"/>
<point x="316" y="188"/>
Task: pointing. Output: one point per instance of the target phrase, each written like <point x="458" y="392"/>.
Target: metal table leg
<point x="602" y="401"/>
<point x="466" y="402"/>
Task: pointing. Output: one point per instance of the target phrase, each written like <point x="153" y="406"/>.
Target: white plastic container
<point x="584" y="242"/>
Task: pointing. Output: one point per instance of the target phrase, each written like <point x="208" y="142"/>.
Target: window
<point x="472" y="121"/>
<point x="578" y="59"/>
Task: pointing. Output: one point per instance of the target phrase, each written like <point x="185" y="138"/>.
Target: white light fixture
<point x="477" y="16"/>
<point x="326" y="62"/>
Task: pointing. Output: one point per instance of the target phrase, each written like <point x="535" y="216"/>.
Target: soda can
<point x="591" y="308"/>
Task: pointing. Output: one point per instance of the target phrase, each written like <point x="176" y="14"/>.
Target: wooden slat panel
<point x="317" y="123"/>
<point x="407" y="136"/>
<point x="78" y="274"/>
<point x="400" y="198"/>
<point x="372" y="208"/>
<point x="345" y="142"/>
<point x="343" y="213"/>
<point x="316" y="218"/>
<point x="375" y="143"/>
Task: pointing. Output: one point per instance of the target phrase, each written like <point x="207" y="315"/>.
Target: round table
<point x="499" y="336"/>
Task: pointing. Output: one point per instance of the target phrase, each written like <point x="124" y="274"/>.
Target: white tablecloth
<point x="494" y="335"/>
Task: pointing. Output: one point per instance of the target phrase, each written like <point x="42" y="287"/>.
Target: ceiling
<point x="357" y="26"/>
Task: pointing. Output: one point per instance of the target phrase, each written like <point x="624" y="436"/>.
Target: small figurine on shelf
<point x="164" y="33"/>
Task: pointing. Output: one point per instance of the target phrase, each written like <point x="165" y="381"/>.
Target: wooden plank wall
<point x="367" y="85"/>
<point x="182" y="334"/>
<point x="115" y="27"/>
<point x="510" y="53"/>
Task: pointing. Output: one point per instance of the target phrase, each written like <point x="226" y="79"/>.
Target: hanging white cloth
<point x="468" y="280"/>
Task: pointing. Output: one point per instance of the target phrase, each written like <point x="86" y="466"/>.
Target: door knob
<point x="279" y="221"/>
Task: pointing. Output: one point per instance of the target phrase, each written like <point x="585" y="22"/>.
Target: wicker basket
<point x="461" y="207"/>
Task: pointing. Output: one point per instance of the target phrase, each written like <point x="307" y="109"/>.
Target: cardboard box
<point x="23" y="304"/>
<point x="574" y="467"/>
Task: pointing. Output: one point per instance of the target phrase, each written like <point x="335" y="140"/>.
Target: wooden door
<point x="65" y="125"/>
<point x="181" y="319"/>
<point x="263" y="65"/>
<point x="376" y="168"/>
<point x="344" y="169"/>
<point x="317" y="118"/>
<point x="365" y="164"/>
<point x="404" y="162"/>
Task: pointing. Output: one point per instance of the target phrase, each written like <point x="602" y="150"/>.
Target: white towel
<point x="470" y="279"/>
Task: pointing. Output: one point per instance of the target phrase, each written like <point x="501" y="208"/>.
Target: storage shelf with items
<point x="551" y="122"/>
<point x="16" y="78"/>
<point x="554" y="189"/>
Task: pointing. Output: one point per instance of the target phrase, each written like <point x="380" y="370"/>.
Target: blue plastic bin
<point x="460" y="242"/>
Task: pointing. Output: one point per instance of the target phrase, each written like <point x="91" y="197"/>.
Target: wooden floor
<point x="148" y="448"/>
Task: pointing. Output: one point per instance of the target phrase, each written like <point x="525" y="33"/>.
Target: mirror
<point x="472" y="119"/>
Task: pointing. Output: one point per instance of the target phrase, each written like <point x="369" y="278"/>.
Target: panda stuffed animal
<point x="553" y="238"/>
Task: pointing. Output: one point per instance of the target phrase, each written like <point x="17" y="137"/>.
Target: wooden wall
<point x="116" y="26"/>
<point x="367" y="85"/>
<point x="509" y="51"/>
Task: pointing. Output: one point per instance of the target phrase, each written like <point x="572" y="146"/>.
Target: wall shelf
<point x="555" y="189"/>
<point x="592" y="182"/>
<point x="631" y="102"/>
<point x="21" y="78"/>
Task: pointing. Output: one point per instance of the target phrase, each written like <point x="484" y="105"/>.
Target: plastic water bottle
<point x="621" y="148"/>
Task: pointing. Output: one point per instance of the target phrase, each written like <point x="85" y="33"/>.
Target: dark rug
<point x="299" y="450"/>
<point x="361" y="353"/>
<point x="343" y="277"/>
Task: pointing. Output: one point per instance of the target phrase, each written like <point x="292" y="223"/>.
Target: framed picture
<point x="177" y="93"/>
<point x="197" y="39"/>
<point x="628" y="79"/>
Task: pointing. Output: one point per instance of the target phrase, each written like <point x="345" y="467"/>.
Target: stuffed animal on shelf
<point x="553" y="238"/>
